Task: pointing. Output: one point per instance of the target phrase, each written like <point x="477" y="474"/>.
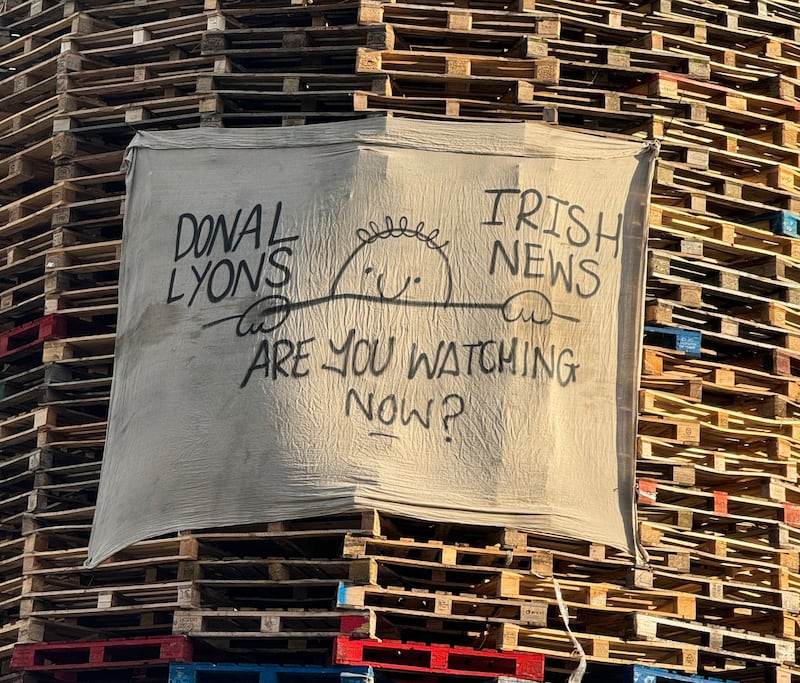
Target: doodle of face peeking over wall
<point x="375" y="272"/>
<point x="396" y="263"/>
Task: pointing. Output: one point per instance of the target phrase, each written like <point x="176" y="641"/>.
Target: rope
<point x="577" y="675"/>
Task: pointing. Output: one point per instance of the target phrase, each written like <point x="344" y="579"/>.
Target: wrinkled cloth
<point x="439" y="320"/>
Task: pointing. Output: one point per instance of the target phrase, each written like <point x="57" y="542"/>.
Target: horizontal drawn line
<point x="388" y="436"/>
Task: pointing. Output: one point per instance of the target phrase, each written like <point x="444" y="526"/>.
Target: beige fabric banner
<point x="435" y="319"/>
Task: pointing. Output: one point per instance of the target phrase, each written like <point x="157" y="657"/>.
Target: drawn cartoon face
<point x="396" y="263"/>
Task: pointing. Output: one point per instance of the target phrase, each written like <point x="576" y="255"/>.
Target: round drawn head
<point x="396" y="262"/>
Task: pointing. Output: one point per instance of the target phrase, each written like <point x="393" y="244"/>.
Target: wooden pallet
<point x="422" y="658"/>
<point x="103" y="654"/>
<point x="271" y="624"/>
<point x="447" y="555"/>
<point x="472" y="610"/>
<point x="555" y="645"/>
<point x="267" y="673"/>
<point x="714" y="641"/>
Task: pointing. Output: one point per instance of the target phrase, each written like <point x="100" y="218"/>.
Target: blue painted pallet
<point x="688" y="341"/>
<point x="201" y="672"/>
<point x="638" y="673"/>
<point x="779" y="222"/>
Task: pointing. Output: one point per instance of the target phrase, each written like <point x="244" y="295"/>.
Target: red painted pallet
<point x="101" y="654"/>
<point x="53" y="326"/>
<point x="463" y="661"/>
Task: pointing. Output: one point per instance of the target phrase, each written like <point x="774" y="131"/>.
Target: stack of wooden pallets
<point x="719" y="505"/>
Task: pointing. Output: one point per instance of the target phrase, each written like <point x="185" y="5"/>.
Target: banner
<point x="435" y="319"/>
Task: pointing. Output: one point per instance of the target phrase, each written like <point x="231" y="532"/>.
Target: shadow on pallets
<point x="170" y="660"/>
<point x="283" y="592"/>
<point x="84" y="662"/>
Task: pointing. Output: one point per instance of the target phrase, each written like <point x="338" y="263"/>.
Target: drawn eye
<point x="417" y="280"/>
<point x="367" y="270"/>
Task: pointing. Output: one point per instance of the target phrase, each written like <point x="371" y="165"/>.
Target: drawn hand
<point x="530" y="306"/>
<point x="263" y="316"/>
